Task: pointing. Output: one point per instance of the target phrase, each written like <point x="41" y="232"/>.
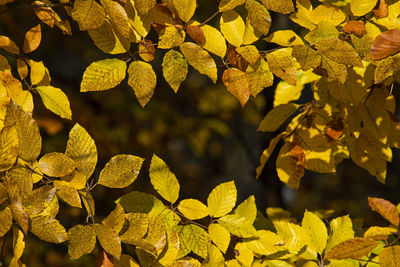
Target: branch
<point x="207" y="20"/>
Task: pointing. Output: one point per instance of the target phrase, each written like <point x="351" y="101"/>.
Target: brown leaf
<point x="196" y="33"/>
<point x="45" y="14"/>
<point x="385" y="208"/>
<point x="32" y="39"/>
<point x="385" y="44"/>
<point x="104" y="259"/>
<point x="355" y="27"/>
<point x="381" y="9"/>
<point x="236" y="60"/>
<point x="236" y="82"/>
<point x="147" y="50"/>
<point x="354" y="248"/>
<point x="334" y="129"/>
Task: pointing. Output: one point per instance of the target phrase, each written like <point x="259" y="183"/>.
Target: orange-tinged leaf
<point x="143" y="80"/>
<point x="385" y="208"/>
<point x="196" y="33"/>
<point x="22" y="69"/>
<point x="334" y="129"/>
<point x="32" y="39"/>
<point x="381" y="9"/>
<point x="45" y="14"/>
<point x="236" y="83"/>
<point x="390" y="256"/>
<point x="8" y="45"/>
<point x="385" y="44"/>
<point x="355" y="27"/>
<point x="354" y="248"/>
<point x="104" y="259"/>
<point x="146" y="50"/>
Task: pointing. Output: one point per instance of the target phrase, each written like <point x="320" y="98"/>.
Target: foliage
<point x="348" y="59"/>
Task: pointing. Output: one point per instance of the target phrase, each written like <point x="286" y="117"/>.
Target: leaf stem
<point x="210" y="18"/>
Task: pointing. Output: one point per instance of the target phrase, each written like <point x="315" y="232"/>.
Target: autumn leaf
<point x="32" y="39"/>
<point x="237" y="84"/>
<point x="385" y="44"/>
<point x="222" y="199"/>
<point x="354" y="248"/>
<point x="143" y="80"/>
<point x="385" y="208"/>
<point x="7" y="44"/>
<point x="196" y="33"/>
<point x="89" y="14"/>
<point x="356" y="27"/>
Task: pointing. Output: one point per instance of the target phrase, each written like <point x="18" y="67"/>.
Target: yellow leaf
<point x="219" y="236"/>
<point x="8" y="147"/>
<point x="55" y="100"/>
<point x="7" y="44"/>
<point x="243" y="254"/>
<point x="362" y="7"/>
<point x="341" y="229"/>
<point x="354" y="248"/>
<point x="199" y="59"/>
<point x="126" y="261"/>
<point x="105" y="38"/>
<point x="5" y="66"/>
<point x="139" y="22"/>
<point x="144" y="6"/>
<point x="236" y="83"/>
<point x="172" y="248"/>
<point x="88" y="202"/>
<point x="259" y="16"/>
<point x="19" y="214"/>
<point x="222" y="199"/>
<point x="175" y="69"/>
<point x="193" y="209"/>
<point x="48" y="229"/>
<point x="390" y="256"/>
<point x="89" y="14"/>
<point x="193" y="238"/>
<point x="232" y="27"/>
<point x="283" y="6"/>
<point x="116" y="219"/>
<point x="267" y="153"/>
<point x="339" y="51"/>
<point x="247" y="209"/>
<point x="323" y="30"/>
<point x="56" y="164"/>
<point x="266" y="243"/>
<point x="82" y="240"/>
<point x="109" y="240"/>
<point x="185" y="8"/>
<point x="214" y="41"/>
<point x="215" y="257"/>
<point x="170" y="37"/>
<point x="118" y="16"/>
<point x="238" y="226"/>
<point x="316" y="228"/>
<point x="259" y="76"/>
<point x="138" y="225"/>
<point x="232" y="263"/>
<point x="82" y="149"/>
<point x="385" y="208"/>
<point x="5" y="221"/>
<point x="29" y="139"/>
<point x="379" y="231"/>
<point x="290" y="164"/>
<point x="163" y="180"/>
<point x="226" y="5"/>
<point x="283" y="65"/>
<point x="32" y="39"/>
<point x="276" y="117"/>
<point x="143" y="80"/>
<point x="18" y="182"/>
<point x="120" y="171"/>
<point x="249" y="53"/>
<point x="135" y="202"/>
<point x="25" y="101"/>
<point x="39" y="200"/>
<point x="285" y="38"/>
<point x="294" y="237"/>
<point x="18" y="247"/>
<point x="319" y="14"/>
<point x="68" y="193"/>
<point x="103" y="75"/>
<point x="251" y="35"/>
<point x="38" y="72"/>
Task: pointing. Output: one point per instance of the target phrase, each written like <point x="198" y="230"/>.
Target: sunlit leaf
<point x="175" y="69"/>
<point x="170" y="37"/>
<point x="259" y="16"/>
<point x="193" y="209"/>
<point x="355" y="27"/>
<point x="105" y="38"/>
<point x="56" y="164"/>
<point x="385" y="208"/>
<point x="316" y="228"/>
<point x="220" y="236"/>
<point x="118" y="16"/>
<point x="109" y="240"/>
<point x="341" y="229"/>
<point x="120" y="171"/>
<point x="285" y="38"/>
<point x="8" y="147"/>
<point x="294" y="237"/>
<point x="143" y="80"/>
<point x="19" y="214"/>
<point x="32" y="39"/>
<point x="354" y="248"/>
<point x="55" y="100"/>
<point x="103" y="75"/>
<point x="238" y="225"/>
<point x="144" y="6"/>
<point x="48" y="229"/>
<point x="222" y="199"/>
<point x="390" y="256"/>
<point x="283" y="6"/>
<point x="339" y="51"/>
<point x="226" y="5"/>
<point x="232" y="27"/>
<point x="185" y="8"/>
<point x="236" y="83"/>
<point x="362" y="7"/>
<point x="68" y="193"/>
<point x="5" y="221"/>
<point x="283" y="65"/>
<point x="163" y="180"/>
<point x="259" y="77"/>
<point x="243" y="254"/>
<point x="82" y="240"/>
<point x="89" y="14"/>
<point x="214" y="41"/>
<point x="7" y="44"/>
<point x="193" y="238"/>
<point x="385" y="44"/>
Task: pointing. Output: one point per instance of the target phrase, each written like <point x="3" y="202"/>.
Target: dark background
<point x="201" y="132"/>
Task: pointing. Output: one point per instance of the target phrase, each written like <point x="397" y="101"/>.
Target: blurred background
<point x="201" y="132"/>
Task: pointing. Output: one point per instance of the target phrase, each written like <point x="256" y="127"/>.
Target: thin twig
<point x="207" y="20"/>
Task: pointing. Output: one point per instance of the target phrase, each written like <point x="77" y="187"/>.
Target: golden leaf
<point x="323" y="31"/>
<point x="138" y="224"/>
<point x="45" y="14"/>
<point x="18" y="247"/>
<point x="175" y="69"/>
<point x="144" y="6"/>
<point x="125" y="261"/>
<point x="259" y="77"/>
<point x="115" y="220"/>
<point x="362" y="7"/>
<point x="267" y="243"/>
<point x="390" y="256"/>
<point x="354" y="248"/>
<point x="89" y="14"/>
<point x="82" y="240"/>
<point x="118" y="17"/>
<point x="316" y="228"/>
<point x="38" y="72"/>
<point x="219" y="236"/>
<point x="18" y="181"/>
<point x="226" y="5"/>
<point x="109" y="240"/>
<point x="259" y="16"/>
<point x="39" y="200"/>
<point x="193" y="238"/>
<point x="283" y="65"/>
<point x="5" y="220"/>
<point x="285" y="38"/>
<point x="56" y="164"/>
<point x="193" y="209"/>
<point x="294" y="237"/>
<point x="236" y="83"/>
<point x="267" y="153"/>
<point x="199" y="59"/>
<point x="120" y="171"/>
<point x="32" y="39"/>
<point x="283" y="6"/>
<point x="232" y="27"/>
<point x="7" y="44"/>
<point x="105" y="38"/>
<point x="55" y="100"/>
<point x="276" y="117"/>
<point x="48" y="229"/>
<point x="68" y="193"/>
<point x="247" y="209"/>
<point x="19" y="214"/>
<point x="385" y="208"/>
<point x="214" y="41"/>
<point x="8" y="147"/>
<point x="143" y="80"/>
<point x="185" y="8"/>
<point x="249" y="53"/>
<point x="103" y="75"/>
<point x="243" y="254"/>
<point x="222" y="199"/>
<point x="251" y="35"/>
<point x="22" y="69"/>
<point x="339" y="51"/>
<point x="146" y="50"/>
<point x="170" y="37"/>
<point x="341" y="229"/>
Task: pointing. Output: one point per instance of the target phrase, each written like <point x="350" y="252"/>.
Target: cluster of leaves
<point x="349" y="57"/>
